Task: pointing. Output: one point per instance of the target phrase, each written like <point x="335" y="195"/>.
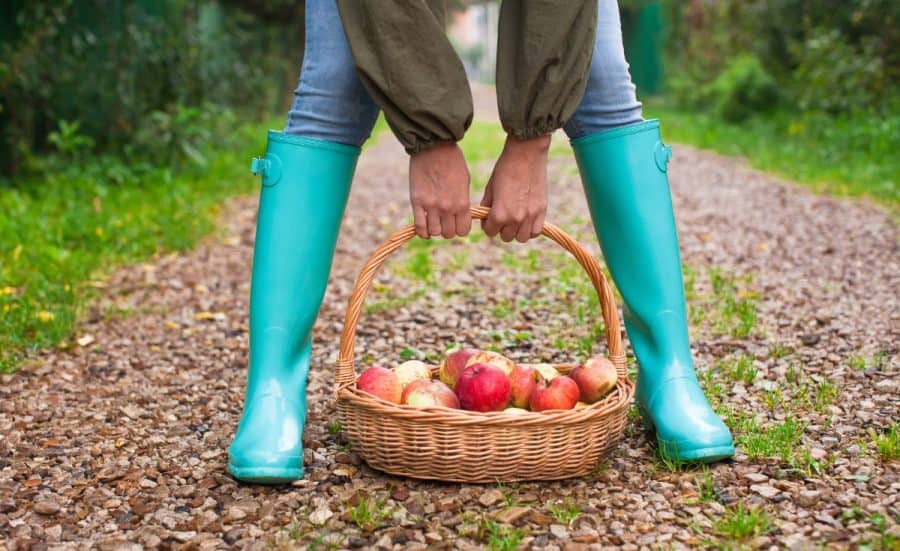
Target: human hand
<point x="517" y="190"/>
<point x="439" y="191"/>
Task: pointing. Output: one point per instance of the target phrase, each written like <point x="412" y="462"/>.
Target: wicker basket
<point x="462" y="446"/>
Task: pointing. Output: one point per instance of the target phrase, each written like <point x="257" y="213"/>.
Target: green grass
<point x="738" y="369"/>
<point x="500" y="537"/>
<point x="335" y="428"/>
<point x="887" y="444"/>
<point x="566" y="512"/>
<point x="852" y="155"/>
<point x="740" y="523"/>
<point x="62" y="232"/>
<point x="706" y="487"/>
<point x="731" y="308"/>
<point x="369" y="513"/>
<point x="778" y="441"/>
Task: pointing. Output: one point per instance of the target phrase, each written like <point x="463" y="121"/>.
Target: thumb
<point x="488" y="199"/>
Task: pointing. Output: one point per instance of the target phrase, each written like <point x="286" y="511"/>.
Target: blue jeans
<point x="331" y="103"/>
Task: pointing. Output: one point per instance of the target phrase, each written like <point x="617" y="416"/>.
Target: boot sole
<point x="266" y="475"/>
<point x="702" y="455"/>
<point x="699" y="455"/>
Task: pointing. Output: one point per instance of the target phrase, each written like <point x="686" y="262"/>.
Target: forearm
<point x="409" y="68"/>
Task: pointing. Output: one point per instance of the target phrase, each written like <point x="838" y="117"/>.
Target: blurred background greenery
<point x="147" y="79"/>
<point x="125" y="123"/>
<point x="123" y="126"/>
<point x="806" y="88"/>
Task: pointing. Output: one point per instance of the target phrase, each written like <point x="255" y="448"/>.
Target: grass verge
<point x="851" y="155"/>
<point x="63" y="230"/>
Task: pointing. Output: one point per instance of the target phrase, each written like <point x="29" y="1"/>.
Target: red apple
<point x="423" y="393"/>
<point x="382" y="383"/>
<point x="483" y="387"/>
<point x="410" y="371"/>
<point x="559" y="393"/>
<point x="522" y="381"/>
<point x="454" y="364"/>
<point x="494" y="359"/>
<point x="595" y="378"/>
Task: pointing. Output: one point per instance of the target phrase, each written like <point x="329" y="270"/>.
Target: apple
<point x="522" y="381"/>
<point x="559" y="393"/>
<point x="382" y="383"/>
<point x="494" y="359"/>
<point x="483" y="387"/>
<point x="547" y="371"/>
<point x="515" y="411"/>
<point x="581" y="405"/>
<point x="454" y="364"/>
<point x="424" y="393"/>
<point x="595" y="378"/>
<point x="410" y="371"/>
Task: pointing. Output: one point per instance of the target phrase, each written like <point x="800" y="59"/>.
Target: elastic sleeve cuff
<point x="422" y="145"/>
<point x="535" y="131"/>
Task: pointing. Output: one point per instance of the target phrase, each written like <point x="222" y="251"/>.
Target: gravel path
<point x="120" y="441"/>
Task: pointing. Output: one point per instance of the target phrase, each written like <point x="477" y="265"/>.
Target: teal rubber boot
<point x="305" y="184"/>
<point x="624" y="175"/>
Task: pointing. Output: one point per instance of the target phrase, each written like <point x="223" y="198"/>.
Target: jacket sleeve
<point x="544" y="50"/>
<point x="410" y="69"/>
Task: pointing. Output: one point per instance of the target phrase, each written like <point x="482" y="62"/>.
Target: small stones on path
<point x="765" y="490"/>
<point x="490" y="497"/>
<point x="46" y="507"/>
<point x="808" y="498"/>
<point x="512" y="514"/>
<point x="756" y="477"/>
<point x="320" y="516"/>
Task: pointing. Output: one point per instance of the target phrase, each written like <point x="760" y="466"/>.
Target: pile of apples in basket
<point x="478" y="380"/>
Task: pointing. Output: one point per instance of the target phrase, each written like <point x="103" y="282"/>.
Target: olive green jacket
<point x="408" y="65"/>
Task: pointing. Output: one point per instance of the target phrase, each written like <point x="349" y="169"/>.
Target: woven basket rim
<point x="618" y="398"/>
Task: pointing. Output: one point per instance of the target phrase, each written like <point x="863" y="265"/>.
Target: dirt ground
<point x="119" y="443"/>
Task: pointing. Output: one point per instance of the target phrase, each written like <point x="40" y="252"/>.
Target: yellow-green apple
<point x="454" y="364"/>
<point x="424" y="393"/>
<point x="494" y="359"/>
<point x="547" y="371"/>
<point x="515" y="411"/>
<point x="483" y="387"/>
<point x="522" y="381"/>
<point x="595" y="378"/>
<point x="382" y="383"/>
<point x="560" y="393"/>
<point x="412" y="370"/>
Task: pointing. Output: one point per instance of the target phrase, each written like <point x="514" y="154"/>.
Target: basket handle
<point x="345" y="372"/>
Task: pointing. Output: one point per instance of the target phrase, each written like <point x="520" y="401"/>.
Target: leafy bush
<point x="824" y="55"/>
<point x="115" y="71"/>
<point x="835" y="76"/>
<point x="743" y="88"/>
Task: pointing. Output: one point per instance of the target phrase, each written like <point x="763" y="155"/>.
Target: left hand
<point x="517" y="190"/>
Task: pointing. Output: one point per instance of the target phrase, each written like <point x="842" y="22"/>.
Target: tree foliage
<point x="102" y="72"/>
<point x="828" y="55"/>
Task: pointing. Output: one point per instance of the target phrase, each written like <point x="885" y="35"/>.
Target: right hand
<point x="439" y="191"/>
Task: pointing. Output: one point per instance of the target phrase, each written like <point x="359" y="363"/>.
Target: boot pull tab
<point x="661" y="154"/>
<point x="269" y="167"/>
